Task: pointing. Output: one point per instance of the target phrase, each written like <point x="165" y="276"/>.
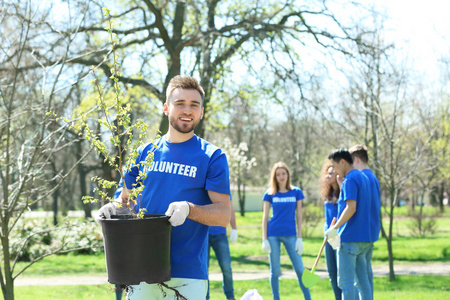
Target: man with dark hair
<point x="353" y="226"/>
<point x="188" y="180"/>
<point x="360" y="161"/>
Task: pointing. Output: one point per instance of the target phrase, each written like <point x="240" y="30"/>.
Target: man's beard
<point x="185" y="128"/>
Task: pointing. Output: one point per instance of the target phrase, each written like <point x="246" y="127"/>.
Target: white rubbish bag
<point x="251" y="295"/>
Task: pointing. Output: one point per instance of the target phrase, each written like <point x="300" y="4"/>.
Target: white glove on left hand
<point x="299" y="246"/>
<point x="266" y="246"/>
<point x="233" y="236"/>
<point x="178" y="212"/>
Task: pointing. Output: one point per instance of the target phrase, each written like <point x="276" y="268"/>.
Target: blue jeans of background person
<point x="118" y="291"/>
<point x="352" y="270"/>
<point x="331" y="258"/>
<point x="369" y="267"/>
<point x="219" y="243"/>
<point x="275" y="267"/>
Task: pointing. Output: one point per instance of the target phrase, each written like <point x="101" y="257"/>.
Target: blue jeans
<point x="118" y="291"/>
<point x="275" y="268"/>
<point x="331" y="258"/>
<point x="352" y="270"/>
<point x="219" y="243"/>
<point x="369" y="267"/>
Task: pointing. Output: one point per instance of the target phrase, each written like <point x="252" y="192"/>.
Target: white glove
<point x="335" y="242"/>
<point x="233" y="236"/>
<point x="331" y="233"/>
<point x="178" y="212"/>
<point x="107" y="210"/>
<point x="266" y="246"/>
<point x="299" y="246"/>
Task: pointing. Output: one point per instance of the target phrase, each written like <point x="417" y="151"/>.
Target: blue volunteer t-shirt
<point x="355" y="187"/>
<point x="283" y="221"/>
<point x="217" y="230"/>
<point x="375" y="210"/>
<point x="331" y="211"/>
<point x="183" y="172"/>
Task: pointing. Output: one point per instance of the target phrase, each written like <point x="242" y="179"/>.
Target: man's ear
<point x="166" y="109"/>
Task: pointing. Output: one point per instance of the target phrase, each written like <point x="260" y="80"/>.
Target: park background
<point x="284" y="81"/>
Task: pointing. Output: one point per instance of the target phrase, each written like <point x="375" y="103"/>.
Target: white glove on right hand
<point x="335" y="242"/>
<point x="178" y="212"/>
<point x="266" y="246"/>
<point x="107" y="210"/>
<point x="331" y="232"/>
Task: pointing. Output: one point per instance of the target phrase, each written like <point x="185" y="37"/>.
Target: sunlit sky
<point x="421" y="28"/>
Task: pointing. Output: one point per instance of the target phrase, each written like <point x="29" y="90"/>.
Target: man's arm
<point x="233" y="218"/>
<point x="216" y="214"/>
<point x="348" y="212"/>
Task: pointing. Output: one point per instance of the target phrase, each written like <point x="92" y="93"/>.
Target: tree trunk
<point x="389" y="237"/>
<point x="7" y="281"/>
<point x="82" y="174"/>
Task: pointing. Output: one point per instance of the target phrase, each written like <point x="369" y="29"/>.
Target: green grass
<point x="247" y="255"/>
<point x="404" y="288"/>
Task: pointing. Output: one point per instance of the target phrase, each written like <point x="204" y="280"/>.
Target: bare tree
<point x="201" y="38"/>
<point x="30" y="137"/>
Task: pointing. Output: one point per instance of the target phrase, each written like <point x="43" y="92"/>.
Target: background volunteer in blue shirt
<point x="218" y="241"/>
<point x="284" y="226"/>
<point x="360" y="161"/>
<point x="188" y="180"/>
<point x="353" y="226"/>
<point x="329" y="192"/>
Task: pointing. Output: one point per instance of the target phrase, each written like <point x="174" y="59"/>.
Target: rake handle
<point x="321" y="248"/>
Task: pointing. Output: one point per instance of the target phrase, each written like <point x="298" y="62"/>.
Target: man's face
<point x="338" y="167"/>
<point x="184" y="110"/>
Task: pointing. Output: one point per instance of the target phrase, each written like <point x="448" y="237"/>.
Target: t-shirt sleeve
<point x="267" y="197"/>
<point x="299" y="195"/>
<point x="218" y="176"/>
<point x="349" y="190"/>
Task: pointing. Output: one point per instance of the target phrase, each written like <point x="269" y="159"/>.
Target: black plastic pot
<point x="137" y="250"/>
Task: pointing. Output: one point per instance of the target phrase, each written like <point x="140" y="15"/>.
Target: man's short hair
<point x="183" y="82"/>
<point x="360" y="151"/>
<point x="342" y="153"/>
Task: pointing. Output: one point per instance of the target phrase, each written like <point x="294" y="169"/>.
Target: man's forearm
<point x="348" y="212"/>
<point x="216" y="214"/>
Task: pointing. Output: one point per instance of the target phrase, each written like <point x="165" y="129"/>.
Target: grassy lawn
<point x="248" y="256"/>
<point x="424" y="287"/>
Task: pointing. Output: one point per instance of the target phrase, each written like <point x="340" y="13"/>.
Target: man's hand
<point x="266" y="246"/>
<point x="299" y="246"/>
<point x="178" y="212"/>
<point x="335" y="242"/>
<point x="112" y="208"/>
<point x="331" y="233"/>
<point x="233" y="236"/>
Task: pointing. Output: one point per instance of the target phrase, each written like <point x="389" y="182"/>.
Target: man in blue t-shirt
<point x="187" y="180"/>
<point x="360" y="161"/>
<point x="353" y="226"/>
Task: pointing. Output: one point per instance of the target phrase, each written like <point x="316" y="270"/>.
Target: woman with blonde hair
<point x="285" y="226"/>
<point x="329" y="191"/>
